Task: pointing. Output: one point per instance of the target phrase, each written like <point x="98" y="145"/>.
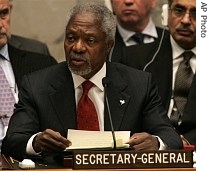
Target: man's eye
<point x="70" y="38"/>
<point x="179" y="10"/>
<point x="91" y="40"/>
<point x="4" y="13"/>
<point x="193" y="13"/>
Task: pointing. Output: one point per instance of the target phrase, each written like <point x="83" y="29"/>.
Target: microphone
<point x="105" y="82"/>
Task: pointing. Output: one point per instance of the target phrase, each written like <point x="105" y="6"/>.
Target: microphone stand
<point x="105" y="84"/>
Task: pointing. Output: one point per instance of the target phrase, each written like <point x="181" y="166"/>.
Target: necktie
<point x="87" y="118"/>
<point x="184" y="77"/>
<point x="7" y="100"/>
<point x="138" y="37"/>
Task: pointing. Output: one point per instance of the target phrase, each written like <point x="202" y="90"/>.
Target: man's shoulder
<point x="125" y="69"/>
<point x="20" y="54"/>
<point x="25" y="40"/>
<point x="50" y="72"/>
<point x="28" y="44"/>
<point x="55" y="74"/>
<point x="162" y="32"/>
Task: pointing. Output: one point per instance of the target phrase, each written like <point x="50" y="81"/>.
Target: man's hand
<point x="50" y="141"/>
<point x="143" y="141"/>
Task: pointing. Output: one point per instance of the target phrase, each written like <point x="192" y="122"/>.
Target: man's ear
<point x="110" y="45"/>
<point x="164" y="15"/>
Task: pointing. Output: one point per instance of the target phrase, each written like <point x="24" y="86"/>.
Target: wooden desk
<point x="51" y="165"/>
<point x="164" y="169"/>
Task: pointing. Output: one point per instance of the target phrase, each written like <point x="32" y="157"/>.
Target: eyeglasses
<point x="180" y="12"/>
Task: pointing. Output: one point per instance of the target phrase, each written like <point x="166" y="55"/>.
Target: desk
<point x="52" y="165"/>
<point x="164" y="169"/>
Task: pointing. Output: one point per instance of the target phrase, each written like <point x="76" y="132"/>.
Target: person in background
<point x="28" y="44"/>
<point x="135" y="27"/>
<point x="166" y="66"/>
<point x="51" y="106"/>
<point x="14" y="63"/>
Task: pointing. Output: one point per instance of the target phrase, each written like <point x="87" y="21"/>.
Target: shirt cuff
<point x="162" y="146"/>
<point x="29" y="148"/>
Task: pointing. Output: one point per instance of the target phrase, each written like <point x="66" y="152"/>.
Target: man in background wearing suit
<point x="135" y="27"/>
<point x="15" y="62"/>
<point x="28" y="44"/>
<point x="164" y="65"/>
<point x="51" y="106"/>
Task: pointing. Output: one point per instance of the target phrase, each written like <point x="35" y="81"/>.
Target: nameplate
<point x="86" y="159"/>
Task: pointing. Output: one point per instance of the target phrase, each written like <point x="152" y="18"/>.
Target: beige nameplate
<point x="87" y="159"/>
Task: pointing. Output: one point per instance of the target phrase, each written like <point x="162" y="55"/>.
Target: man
<point x="164" y="66"/>
<point x="14" y="63"/>
<point x="51" y="106"/>
<point x="135" y="27"/>
<point x="28" y="44"/>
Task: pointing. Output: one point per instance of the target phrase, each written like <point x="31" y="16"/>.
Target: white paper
<point x="97" y="139"/>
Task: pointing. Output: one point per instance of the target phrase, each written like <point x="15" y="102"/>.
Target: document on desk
<point x="97" y="139"/>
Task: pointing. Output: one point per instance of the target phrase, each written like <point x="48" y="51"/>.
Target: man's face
<point x="182" y="22"/>
<point x="5" y="15"/>
<point x="85" y="45"/>
<point x="130" y="12"/>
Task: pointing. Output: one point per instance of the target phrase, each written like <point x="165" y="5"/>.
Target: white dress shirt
<point x="150" y="33"/>
<point x="96" y="93"/>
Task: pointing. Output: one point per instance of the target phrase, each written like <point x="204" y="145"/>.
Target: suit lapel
<point x="117" y="50"/>
<point x="117" y="98"/>
<point x="62" y="96"/>
<point x="137" y="56"/>
<point x="14" y="41"/>
<point x="161" y="69"/>
<point x="17" y="63"/>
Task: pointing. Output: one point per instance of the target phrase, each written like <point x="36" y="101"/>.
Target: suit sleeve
<point x="156" y="120"/>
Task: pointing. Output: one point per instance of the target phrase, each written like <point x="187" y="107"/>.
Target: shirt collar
<point x="177" y="50"/>
<point x="96" y="79"/>
<point x="4" y="52"/>
<point x="149" y="30"/>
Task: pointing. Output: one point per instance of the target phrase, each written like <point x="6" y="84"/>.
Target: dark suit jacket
<point x="50" y="103"/>
<point x="27" y="44"/>
<point x="161" y="69"/>
<point x="145" y="49"/>
<point x="24" y="62"/>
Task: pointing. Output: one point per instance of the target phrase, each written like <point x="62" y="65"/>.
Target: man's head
<point x="89" y="38"/>
<point x="133" y="14"/>
<point x="182" y="22"/>
<point x="5" y="17"/>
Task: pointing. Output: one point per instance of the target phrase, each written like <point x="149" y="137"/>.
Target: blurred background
<point x="45" y="20"/>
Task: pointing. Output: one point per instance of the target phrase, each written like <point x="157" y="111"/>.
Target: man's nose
<point x="79" y="46"/>
<point x="187" y="18"/>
